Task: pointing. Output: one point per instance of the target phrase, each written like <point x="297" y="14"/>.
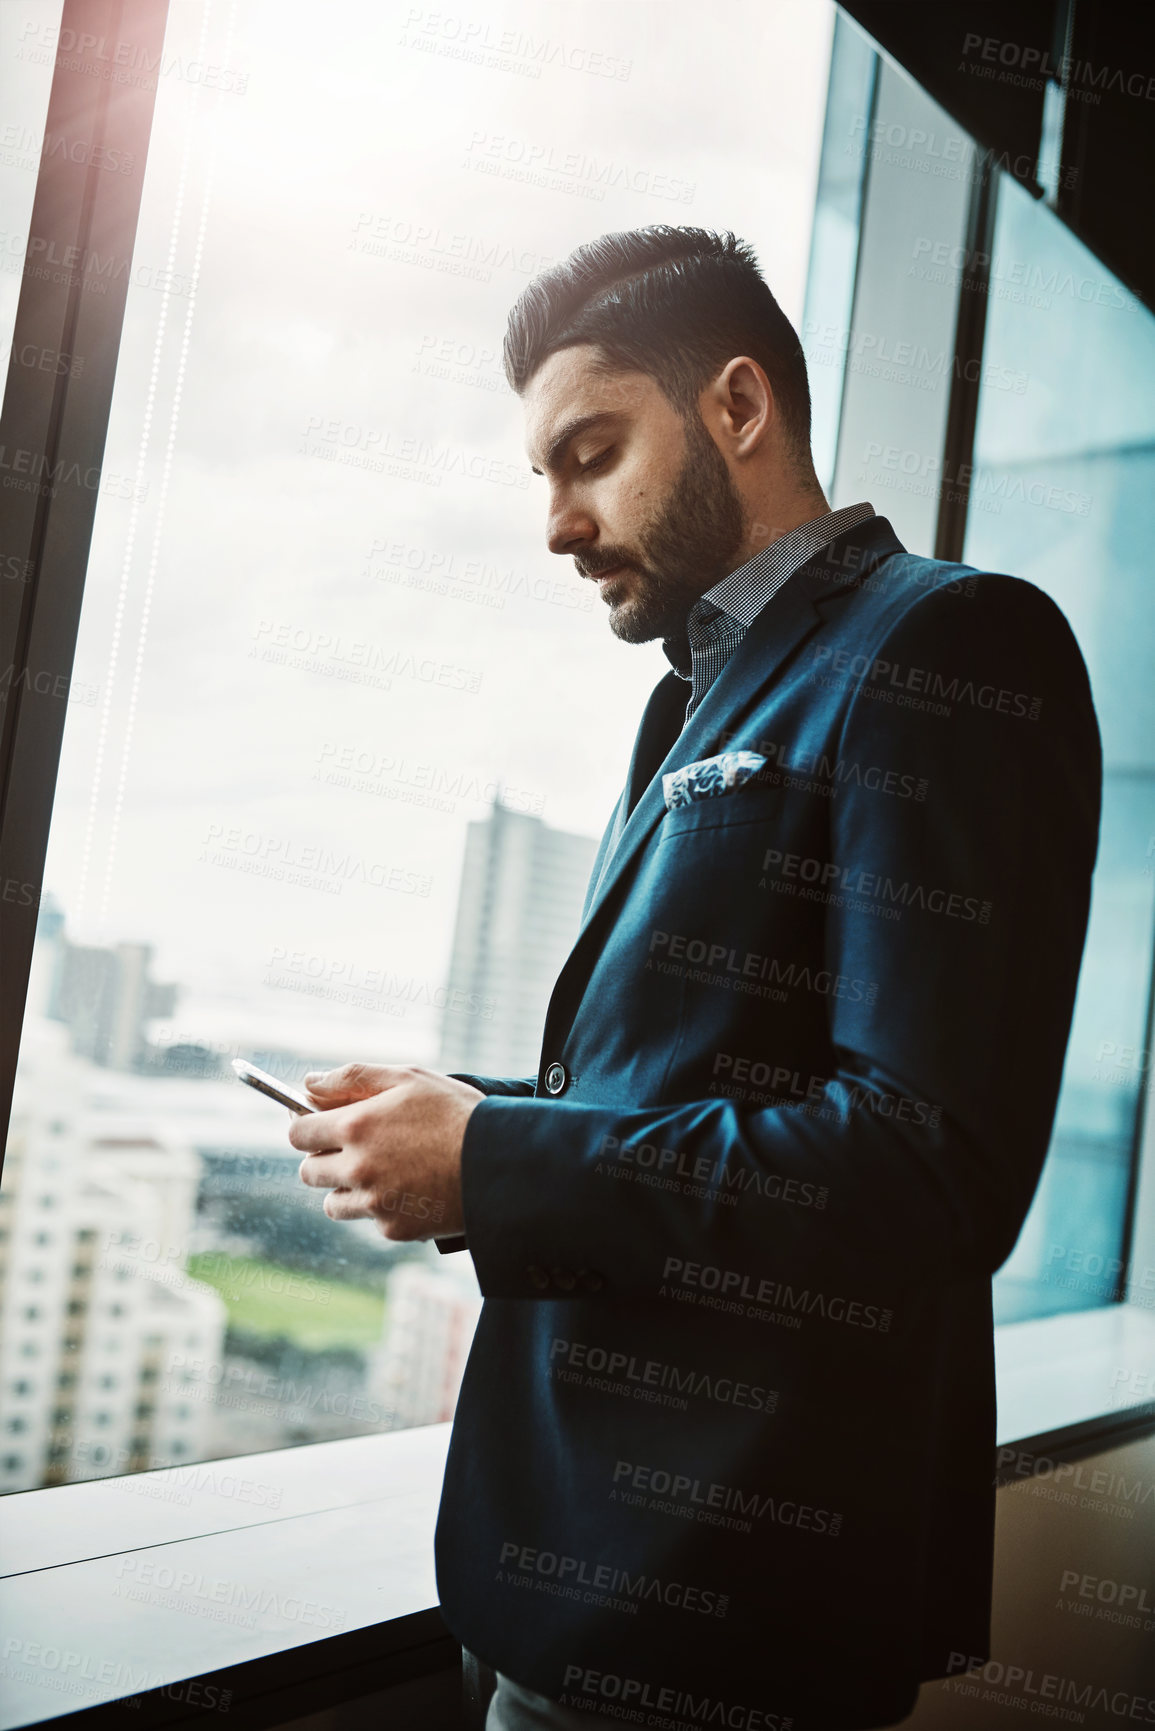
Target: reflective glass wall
<point x="1063" y="493"/>
<point x="1058" y="489"/>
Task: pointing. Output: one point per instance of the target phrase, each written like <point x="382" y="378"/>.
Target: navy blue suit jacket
<point x="726" y="1432"/>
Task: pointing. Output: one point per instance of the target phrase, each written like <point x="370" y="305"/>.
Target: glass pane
<point x="1064" y="494"/>
<point x="342" y="696"/>
<point x="826" y="330"/>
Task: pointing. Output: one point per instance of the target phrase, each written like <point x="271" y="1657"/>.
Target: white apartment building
<point x="89" y="1317"/>
<point x="429" y="1322"/>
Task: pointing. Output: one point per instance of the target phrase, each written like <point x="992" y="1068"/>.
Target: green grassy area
<point x="264" y="1298"/>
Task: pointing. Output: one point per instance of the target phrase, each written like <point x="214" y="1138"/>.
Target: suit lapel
<point x="786" y="620"/>
<point x="660" y="725"/>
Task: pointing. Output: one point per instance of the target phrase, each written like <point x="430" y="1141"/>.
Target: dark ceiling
<point x="987" y="63"/>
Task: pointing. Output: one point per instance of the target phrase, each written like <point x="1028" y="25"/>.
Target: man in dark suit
<point x="724" y="1449"/>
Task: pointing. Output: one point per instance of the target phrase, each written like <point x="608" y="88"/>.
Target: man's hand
<point x="386" y="1144"/>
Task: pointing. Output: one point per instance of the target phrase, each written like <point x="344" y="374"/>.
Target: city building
<point x="105" y="996"/>
<point x="95" y="1304"/>
<point x="429" y="1324"/>
<point x="518" y="912"/>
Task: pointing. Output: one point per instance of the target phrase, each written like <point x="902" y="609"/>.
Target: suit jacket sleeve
<point x="929" y="1135"/>
<point x="505" y="1087"/>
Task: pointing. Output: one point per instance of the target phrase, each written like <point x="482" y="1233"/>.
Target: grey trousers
<point x="494" y="1702"/>
<point x="512" y="1708"/>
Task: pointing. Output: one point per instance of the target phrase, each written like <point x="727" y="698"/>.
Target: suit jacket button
<point x="555" y="1079"/>
<point x="565" y="1278"/>
<point x="537" y="1276"/>
<point x="590" y="1280"/>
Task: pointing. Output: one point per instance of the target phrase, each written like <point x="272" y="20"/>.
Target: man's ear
<point x="744" y="400"/>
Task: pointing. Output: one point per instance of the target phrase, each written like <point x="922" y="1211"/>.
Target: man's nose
<point x="568" y="529"/>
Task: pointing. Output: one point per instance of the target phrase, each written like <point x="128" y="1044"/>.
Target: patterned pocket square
<point x="710" y="777"/>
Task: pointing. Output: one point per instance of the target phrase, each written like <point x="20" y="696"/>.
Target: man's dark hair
<point x="676" y="303"/>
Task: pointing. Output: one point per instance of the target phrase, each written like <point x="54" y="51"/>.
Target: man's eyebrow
<point x="569" y="432"/>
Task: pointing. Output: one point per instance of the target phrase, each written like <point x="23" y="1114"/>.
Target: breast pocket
<point x="753" y="802"/>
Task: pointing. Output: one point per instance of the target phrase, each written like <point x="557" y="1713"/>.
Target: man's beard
<point x="690" y="544"/>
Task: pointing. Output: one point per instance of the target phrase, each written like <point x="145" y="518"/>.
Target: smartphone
<point x="266" y="1084"/>
<point x="296" y="1102"/>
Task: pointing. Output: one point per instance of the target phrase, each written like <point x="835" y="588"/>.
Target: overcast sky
<point x="355" y="214"/>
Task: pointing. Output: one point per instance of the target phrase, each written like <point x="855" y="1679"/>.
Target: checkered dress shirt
<point x="719" y="619"/>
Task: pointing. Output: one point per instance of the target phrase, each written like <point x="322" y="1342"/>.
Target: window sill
<point x="299" y="1577"/>
<point x="263" y="1575"/>
<point x="1073" y="1384"/>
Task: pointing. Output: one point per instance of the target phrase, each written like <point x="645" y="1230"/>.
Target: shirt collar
<point x="742" y="595"/>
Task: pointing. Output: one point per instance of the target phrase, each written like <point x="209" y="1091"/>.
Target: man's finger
<point x="325" y="1172"/>
<point x="347" y="1205"/>
<point x="318" y="1132"/>
<point x="354" y="1082"/>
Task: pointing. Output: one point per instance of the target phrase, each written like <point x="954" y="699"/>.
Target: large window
<point x="1057" y="489"/>
<point x="335" y="710"/>
<point x="1064" y="494"/>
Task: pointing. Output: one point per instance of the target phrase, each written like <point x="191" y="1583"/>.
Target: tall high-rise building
<point x="518" y="911"/>
<point x="105" y="997"/>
